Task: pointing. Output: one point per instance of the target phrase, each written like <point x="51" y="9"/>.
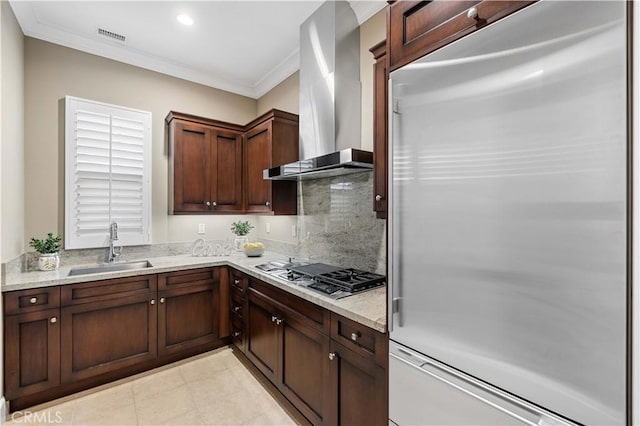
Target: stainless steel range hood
<point x="329" y="97"/>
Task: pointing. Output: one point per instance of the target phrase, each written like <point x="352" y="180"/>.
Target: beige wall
<point x="12" y="172"/>
<point x="373" y="31"/>
<point x="52" y="72"/>
<point x="284" y="96"/>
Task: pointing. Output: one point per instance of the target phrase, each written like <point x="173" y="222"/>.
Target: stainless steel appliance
<point x="330" y="281"/>
<point x="508" y="223"/>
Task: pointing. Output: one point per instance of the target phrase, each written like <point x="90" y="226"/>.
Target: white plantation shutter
<point x="108" y="168"/>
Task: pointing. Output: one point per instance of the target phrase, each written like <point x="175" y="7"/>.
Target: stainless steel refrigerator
<point x="508" y="225"/>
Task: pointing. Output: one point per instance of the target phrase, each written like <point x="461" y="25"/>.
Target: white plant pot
<point x="48" y="261"/>
<point x="239" y="242"/>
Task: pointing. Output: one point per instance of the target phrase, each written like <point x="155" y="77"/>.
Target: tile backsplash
<point x="337" y="224"/>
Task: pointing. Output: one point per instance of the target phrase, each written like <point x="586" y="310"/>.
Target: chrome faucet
<point x="114" y="251"/>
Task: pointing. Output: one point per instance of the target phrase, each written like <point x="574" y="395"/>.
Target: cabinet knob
<point x="236" y="282"/>
<point x="379" y="197"/>
<point x="274" y="318"/>
<point x="53" y="320"/>
<point x="267" y="204"/>
<point x="279" y="321"/>
<point x="472" y="13"/>
<point x="332" y="355"/>
<point x="214" y="204"/>
<point x="152" y="301"/>
<point x="355" y="335"/>
<point x="162" y="300"/>
<point x="236" y="308"/>
<point x="236" y="334"/>
<point x="208" y="203"/>
<point x="33" y="300"/>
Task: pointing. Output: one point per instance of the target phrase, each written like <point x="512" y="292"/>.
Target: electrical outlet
<point x="294" y="231"/>
<point x="201" y="228"/>
<point x="268" y="228"/>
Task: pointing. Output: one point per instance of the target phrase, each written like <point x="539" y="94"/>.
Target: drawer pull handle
<point x="274" y="318"/>
<point x="214" y="204"/>
<point x="237" y="308"/>
<point x="355" y="335"/>
<point x="153" y="301"/>
<point x="267" y="204"/>
<point x="379" y="197"/>
<point x="332" y="355"/>
<point x="472" y="13"/>
<point x="208" y="203"/>
<point x="236" y="282"/>
<point x="53" y="320"/>
<point x="33" y="300"/>
<point x="279" y="321"/>
<point x="162" y="300"/>
<point x="236" y="334"/>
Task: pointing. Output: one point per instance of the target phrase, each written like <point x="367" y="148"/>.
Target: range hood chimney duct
<point x="330" y="96"/>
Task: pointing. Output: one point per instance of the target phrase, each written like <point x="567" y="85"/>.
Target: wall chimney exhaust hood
<point x="329" y="97"/>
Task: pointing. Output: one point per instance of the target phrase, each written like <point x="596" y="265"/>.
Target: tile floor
<point x="210" y="389"/>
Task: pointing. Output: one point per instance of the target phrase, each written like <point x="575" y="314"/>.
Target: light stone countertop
<point x="368" y="308"/>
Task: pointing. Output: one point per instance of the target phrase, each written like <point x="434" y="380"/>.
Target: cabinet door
<point x="192" y="160"/>
<point x="360" y="389"/>
<point x="32" y="352"/>
<point x="416" y="28"/>
<point x="257" y="148"/>
<point x="101" y="337"/>
<point x="227" y="172"/>
<point x="262" y="336"/>
<point x="380" y="129"/>
<point x="304" y="377"/>
<point x="187" y="318"/>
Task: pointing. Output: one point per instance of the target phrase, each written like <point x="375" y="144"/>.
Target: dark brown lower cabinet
<point x="101" y="337"/>
<point x="329" y="383"/>
<point x="361" y="389"/>
<point x="32" y="352"/>
<point x="59" y="340"/>
<point x="187" y="318"/>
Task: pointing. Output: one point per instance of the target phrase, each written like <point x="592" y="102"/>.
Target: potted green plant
<point x="48" y="248"/>
<point x="241" y="228"/>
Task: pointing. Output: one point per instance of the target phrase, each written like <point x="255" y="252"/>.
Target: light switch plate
<point x="268" y="228"/>
<point x="294" y="231"/>
<point x="201" y="228"/>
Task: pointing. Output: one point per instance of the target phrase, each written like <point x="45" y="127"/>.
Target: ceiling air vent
<point x="114" y="36"/>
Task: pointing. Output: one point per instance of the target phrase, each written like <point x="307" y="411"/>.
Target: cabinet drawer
<point x="237" y="306"/>
<point x="293" y="306"/>
<point x="188" y="278"/>
<point x="96" y="291"/>
<point x="420" y="27"/>
<point x="359" y="338"/>
<point x="35" y="299"/>
<point x="238" y="283"/>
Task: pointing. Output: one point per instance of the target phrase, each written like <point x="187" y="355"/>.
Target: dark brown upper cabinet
<point x="205" y="165"/>
<point x="380" y="129"/>
<point x="270" y="140"/>
<point x="216" y="167"/>
<point x="415" y="28"/>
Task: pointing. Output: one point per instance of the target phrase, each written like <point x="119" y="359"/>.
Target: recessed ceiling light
<point x="184" y="19"/>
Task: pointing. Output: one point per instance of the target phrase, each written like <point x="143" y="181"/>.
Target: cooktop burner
<point x="332" y="281"/>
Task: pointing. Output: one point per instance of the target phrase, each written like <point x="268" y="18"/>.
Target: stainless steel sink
<point x="110" y="267"/>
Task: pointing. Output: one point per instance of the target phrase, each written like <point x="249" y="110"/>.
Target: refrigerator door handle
<point x="496" y="398"/>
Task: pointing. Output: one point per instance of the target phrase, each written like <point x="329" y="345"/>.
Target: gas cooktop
<point x="331" y="281"/>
